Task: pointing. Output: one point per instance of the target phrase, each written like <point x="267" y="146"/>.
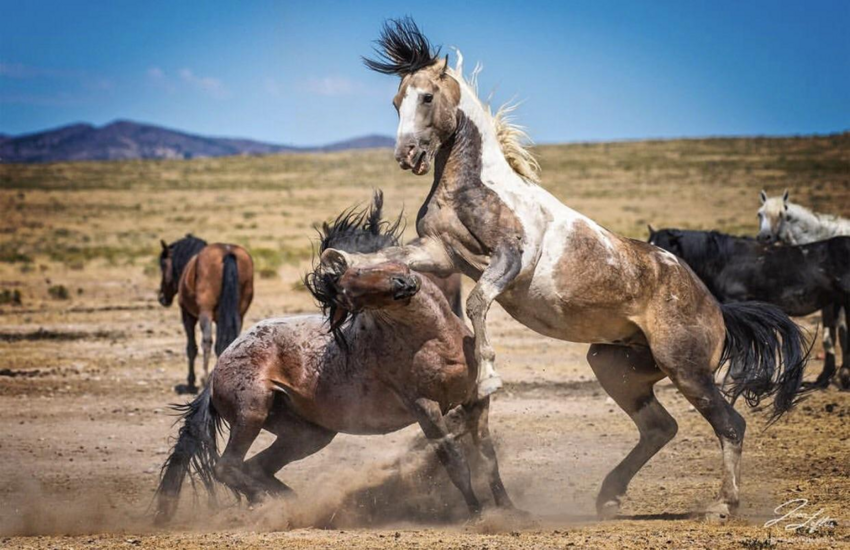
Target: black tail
<point x="769" y="349"/>
<point x="195" y="453"/>
<point x="228" y="323"/>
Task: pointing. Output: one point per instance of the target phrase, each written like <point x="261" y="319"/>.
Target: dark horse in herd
<point x="799" y="279"/>
<point x="215" y="284"/>
<point x="395" y="355"/>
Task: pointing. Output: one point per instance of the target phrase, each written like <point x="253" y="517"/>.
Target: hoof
<point x="718" y="513"/>
<point x="608" y="509"/>
<point x="489" y="386"/>
<point x="183" y="389"/>
<point x="819" y="384"/>
<point x="844" y="378"/>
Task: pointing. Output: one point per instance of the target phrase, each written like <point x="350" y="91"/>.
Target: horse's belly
<point x="549" y="316"/>
<point x="361" y="408"/>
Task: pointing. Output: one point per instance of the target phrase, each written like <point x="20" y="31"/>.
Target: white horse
<point x="563" y="275"/>
<point x="790" y="223"/>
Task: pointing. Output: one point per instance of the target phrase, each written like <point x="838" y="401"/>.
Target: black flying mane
<point x="354" y="231"/>
<point x="402" y="49"/>
<point x="181" y="252"/>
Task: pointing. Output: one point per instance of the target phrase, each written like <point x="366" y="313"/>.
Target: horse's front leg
<point x="478" y="424"/>
<point x="424" y="254"/>
<point x="448" y="449"/>
<point x="505" y="265"/>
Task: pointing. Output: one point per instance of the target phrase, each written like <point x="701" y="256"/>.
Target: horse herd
<point x="391" y="348"/>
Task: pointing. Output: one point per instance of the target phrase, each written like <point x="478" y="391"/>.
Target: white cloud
<point x="208" y="84"/>
<point x="187" y="78"/>
<point x="333" y="86"/>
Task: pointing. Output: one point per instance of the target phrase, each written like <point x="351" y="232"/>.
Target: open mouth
<point x="421" y="165"/>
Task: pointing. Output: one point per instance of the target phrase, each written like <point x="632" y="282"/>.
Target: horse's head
<point x="172" y="261"/>
<point x="168" y="284"/>
<point x="428" y="96"/>
<point x="772" y="216"/>
<point x="344" y="291"/>
<point x="380" y="286"/>
<point x="668" y="239"/>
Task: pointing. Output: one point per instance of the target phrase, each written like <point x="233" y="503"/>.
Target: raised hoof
<point x="608" y="510"/>
<point x="489" y="386"/>
<point x="718" y="513"/>
<point x="183" y="389"/>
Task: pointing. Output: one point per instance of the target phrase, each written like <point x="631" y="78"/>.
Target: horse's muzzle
<point x="405" y="286"/>
<point x="765" y="238"/>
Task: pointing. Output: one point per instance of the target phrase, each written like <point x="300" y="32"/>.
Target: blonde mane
<point x="511" y="137"/>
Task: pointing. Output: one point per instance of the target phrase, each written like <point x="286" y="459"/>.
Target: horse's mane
<point x="356" y="231"/>
<point x="510" y="136"/>
<point x="703" y="248"/>
<point x="182" y="251"/>
<point x="402" y="49"/>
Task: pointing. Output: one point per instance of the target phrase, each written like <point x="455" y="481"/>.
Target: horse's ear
<point x="334" y="260"/>
<point x="443" y="65"/>
<point x="763" y="196"/>
<point x="164" y="245"/>
<point x="785" y="196"/>
<point x="338" y="317"/>
<point x="651" y="230"/>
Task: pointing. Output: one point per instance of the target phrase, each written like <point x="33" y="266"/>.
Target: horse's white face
<point x="772" y="216"/>
<point x="427" y="103"/>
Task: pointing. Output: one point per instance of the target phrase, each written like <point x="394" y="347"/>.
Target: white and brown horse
<point x="563" y="275"/>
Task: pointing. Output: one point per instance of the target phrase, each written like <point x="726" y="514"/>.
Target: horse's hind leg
<point x="830" y="318"/>
<point x="691" y="372"/>
<point x="296" y="439"/>
<point x="628" y="376"/>
<point x="206" y="342"/>
<point x="844" y="340"/>
<point x="252" y="411"/>
<point x="189" y="324"/>
<point x="477" y="419"/>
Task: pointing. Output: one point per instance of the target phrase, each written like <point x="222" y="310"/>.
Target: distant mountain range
<point x="125" y="139"/>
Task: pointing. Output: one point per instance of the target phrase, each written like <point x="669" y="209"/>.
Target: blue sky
<point x="290" y="72"/>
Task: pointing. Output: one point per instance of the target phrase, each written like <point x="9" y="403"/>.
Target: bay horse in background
<point x="563" y="275"/>
<point x="799" y="279"/>
<point x="387" y="353"/>
<point x="785" y="222"/>
<point x="216" y="285"/>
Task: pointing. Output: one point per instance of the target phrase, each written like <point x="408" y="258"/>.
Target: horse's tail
<point x="228" y="323"/>
<point x="195" y="453"/>
<point x="769" y="350"/>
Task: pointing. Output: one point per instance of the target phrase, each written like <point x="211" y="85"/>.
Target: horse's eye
<point x="427" y="98"/>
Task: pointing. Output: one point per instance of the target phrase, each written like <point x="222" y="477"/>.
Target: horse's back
<point x="202" y="280"/>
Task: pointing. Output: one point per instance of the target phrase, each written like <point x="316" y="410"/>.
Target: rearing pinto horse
<point x="216" y="284"/>
<point x="559" y="273"/>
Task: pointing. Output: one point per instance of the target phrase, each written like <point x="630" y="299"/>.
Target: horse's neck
<point x="809" y="226"/>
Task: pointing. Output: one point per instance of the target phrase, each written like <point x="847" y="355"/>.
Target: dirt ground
<point x="88" y="360"/>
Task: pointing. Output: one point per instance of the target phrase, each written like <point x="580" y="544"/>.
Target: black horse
<point x="799" y="279"/>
